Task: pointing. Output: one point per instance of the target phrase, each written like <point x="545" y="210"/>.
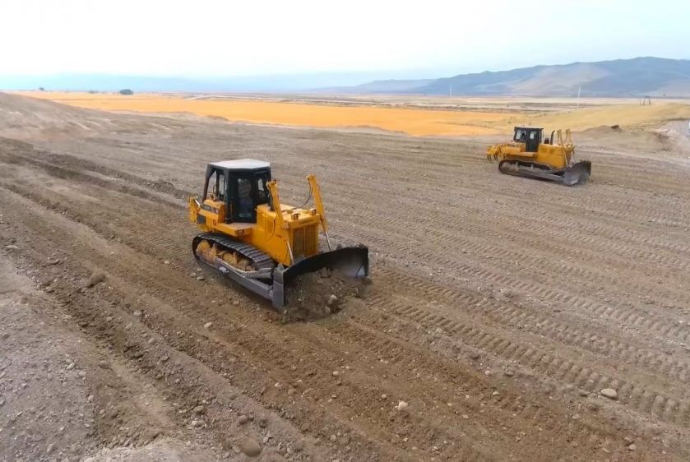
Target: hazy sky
<point x="429" y="37"/>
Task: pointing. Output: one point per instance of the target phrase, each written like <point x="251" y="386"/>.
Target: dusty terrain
<point x="501" y="307"/>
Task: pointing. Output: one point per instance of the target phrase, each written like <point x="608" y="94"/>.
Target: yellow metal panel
<point x="275" y="232"/>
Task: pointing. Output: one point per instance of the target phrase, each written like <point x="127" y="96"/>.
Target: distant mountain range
<point x="257" y="83"/>
<point x="625" y="77"/>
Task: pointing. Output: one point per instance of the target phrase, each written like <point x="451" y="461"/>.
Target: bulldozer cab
<point x="530" y="136"/>
<point x="241" y="184"/>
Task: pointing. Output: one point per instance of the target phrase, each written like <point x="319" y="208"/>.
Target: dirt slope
<point x="500" y="309"/>
<point x="626" y="116"/>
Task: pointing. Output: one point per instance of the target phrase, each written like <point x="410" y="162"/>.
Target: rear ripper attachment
<point x="262" y="245"/>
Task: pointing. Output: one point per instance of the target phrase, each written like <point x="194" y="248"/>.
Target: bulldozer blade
<point x="351" y="261"/>
<point x="577" y="173"/>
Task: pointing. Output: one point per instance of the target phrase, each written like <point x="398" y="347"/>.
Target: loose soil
<point x="500" y="307"/>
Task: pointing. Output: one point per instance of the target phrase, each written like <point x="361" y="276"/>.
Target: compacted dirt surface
<point x="500" y="310"/>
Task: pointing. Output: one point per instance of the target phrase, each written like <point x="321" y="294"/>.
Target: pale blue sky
<point x="427" y="38"/>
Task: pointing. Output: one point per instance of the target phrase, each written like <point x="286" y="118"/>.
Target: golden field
<point x="412" y="121"/>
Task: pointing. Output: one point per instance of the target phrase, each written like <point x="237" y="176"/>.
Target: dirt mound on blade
<point x="315" y="295"/>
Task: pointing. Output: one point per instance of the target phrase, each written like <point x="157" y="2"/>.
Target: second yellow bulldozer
<point x="255" y="240"/>
<point x="532" y="155"/>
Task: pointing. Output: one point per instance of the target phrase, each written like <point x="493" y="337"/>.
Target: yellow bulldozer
<point x="256" y="241"/>
<point x="533" y="156"/>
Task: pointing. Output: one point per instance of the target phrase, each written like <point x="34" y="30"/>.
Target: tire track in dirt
<point x="261" y="347"/>
<point x="268" y="353"/>
<point x="252" y="344"/>
<point x="427" y="200"/>
<point x="674" y="410"/>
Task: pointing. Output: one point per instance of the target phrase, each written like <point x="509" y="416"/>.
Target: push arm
<point x="273" y="189"/>
<point x="316" y="192"/>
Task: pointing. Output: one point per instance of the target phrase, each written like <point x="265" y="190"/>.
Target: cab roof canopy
<point x="242" y="164"/>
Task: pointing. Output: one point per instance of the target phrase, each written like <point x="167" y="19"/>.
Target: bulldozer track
<point x="259" y="259"/>
<point x="475" y="274"/>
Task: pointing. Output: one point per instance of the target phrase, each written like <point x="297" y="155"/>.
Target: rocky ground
<point x="508" y="319"/>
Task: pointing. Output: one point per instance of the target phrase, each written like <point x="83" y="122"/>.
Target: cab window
<point x="244" y="196"/>
<point x="218" y="188"/>
<point x="262" y="190"/>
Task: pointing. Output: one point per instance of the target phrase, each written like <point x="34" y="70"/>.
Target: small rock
<point x="509" y="373"/>
<point x="192" y="275"/>
<point x="236" y="303"/>
<point x="208" y="325"/>
<point x="243" y="419"/>
<point x="609" y="393"/>
<point x="96" y="278"/>
<point x="137" y="314"/>
<point x="334" y="438"/>
<point x="336" y="373"/>
<point x="250" y="447"/>
<point x="332" y="300"/>
<point x="298" y="446"/>
<point x="402" y="405"/>
<point x="198" y="410"/>
<point x="200" y="278"/>
<point x="49" y="290"/>
<point x="475" y="356"/>
<point x="11" y="247"/>
<point x="583" y="393"/>
<point x="166" y="262"/>
<point x="632" y="447"/>
<point x="53" y="261"/>
<point x="326" y="310"/>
